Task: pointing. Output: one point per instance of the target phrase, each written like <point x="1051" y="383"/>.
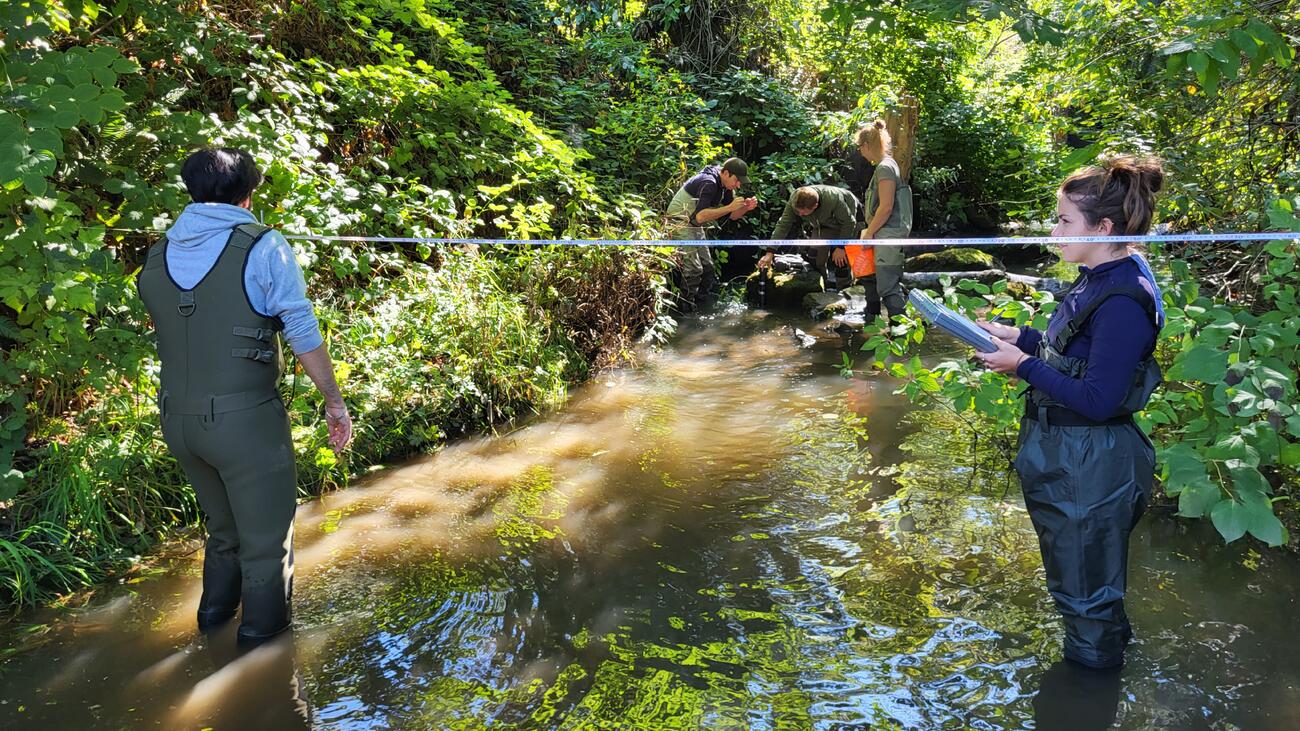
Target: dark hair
<point x="1121" y="188"/>
<point x="220" y="175"/>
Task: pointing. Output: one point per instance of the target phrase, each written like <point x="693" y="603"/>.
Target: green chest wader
<point x="1086" y="484"/>
<point x="224" y="422"/>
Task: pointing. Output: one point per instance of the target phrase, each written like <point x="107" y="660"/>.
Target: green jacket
<point x="836" y="216"/>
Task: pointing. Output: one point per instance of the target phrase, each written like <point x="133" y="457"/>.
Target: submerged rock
<point x="791" y="281"/>
<point x="803" y="339"/>
<point x="850" y="305"/>
<point x="832" y="304"/>
<point x="795" y="284"/>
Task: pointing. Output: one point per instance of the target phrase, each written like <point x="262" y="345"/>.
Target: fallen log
<point x="934" y="280"/>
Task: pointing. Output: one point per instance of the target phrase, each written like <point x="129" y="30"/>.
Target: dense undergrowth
<point x="529" y="119"/>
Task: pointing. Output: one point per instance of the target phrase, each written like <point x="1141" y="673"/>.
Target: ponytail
<point x="1121" y="188"/>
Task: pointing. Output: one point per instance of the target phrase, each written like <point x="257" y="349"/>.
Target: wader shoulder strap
<point x="1080" y="317"/>
<point x="247" y="234"/>
<point x="242" y="239"/>
<point x="157" y="257"/>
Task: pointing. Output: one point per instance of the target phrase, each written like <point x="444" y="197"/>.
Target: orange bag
<point x="862" y="258"/>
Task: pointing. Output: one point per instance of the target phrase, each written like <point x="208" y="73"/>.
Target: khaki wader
<point x="225" y="423"/>
<point x="696" y="261"/>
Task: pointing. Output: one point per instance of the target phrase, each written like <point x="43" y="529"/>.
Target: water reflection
<point x="260" y="688"/>
<point x="1074" y="698"/>
<point x="731" y="537"/>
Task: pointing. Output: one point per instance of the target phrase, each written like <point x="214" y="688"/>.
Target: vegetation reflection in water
<point x="731" y="537"/>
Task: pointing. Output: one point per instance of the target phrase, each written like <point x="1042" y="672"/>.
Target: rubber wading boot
<point x="266" y="612"/>
<point x="221" y="589"/>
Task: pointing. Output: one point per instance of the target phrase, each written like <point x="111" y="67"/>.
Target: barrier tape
<point x="774" y="243"/>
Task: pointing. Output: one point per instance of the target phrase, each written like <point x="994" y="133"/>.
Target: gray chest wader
<point x="224" y="422"/>
<point x="696" y="261"/>
<point x="890" y="260"/>
<point x="1086" y="484"/>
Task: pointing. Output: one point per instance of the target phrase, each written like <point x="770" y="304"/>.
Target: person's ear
<point x="1105" y="227"/>
<point x="247" y="203"/>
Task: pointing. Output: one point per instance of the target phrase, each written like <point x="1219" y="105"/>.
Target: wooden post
<point x="901" y="122"/>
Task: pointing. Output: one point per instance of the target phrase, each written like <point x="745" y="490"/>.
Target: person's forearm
<point x="1028" y="339"/>
<point x="1121" y="336"/>
<point x="320" y="370"/>
<point x="711" y="214"/>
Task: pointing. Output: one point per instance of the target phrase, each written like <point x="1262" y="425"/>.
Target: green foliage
<point x="531" y="119"/>
<point x="1206" y="86"/>
<point x="1225" y="422"/>
<point x="367" y="117"/>
<point x="990" y="402"/>
<point x="1230" y="432"/>
<point x="660" y="134"/>
<point x="35" y="559"/>
<point x="977" y="160"/>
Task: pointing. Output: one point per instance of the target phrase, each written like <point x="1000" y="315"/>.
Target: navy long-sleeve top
<point x="1116" y="338"/>
<point x="707" y="188"/>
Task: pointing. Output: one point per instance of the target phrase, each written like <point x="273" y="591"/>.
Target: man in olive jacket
<point x="820" y="212"/>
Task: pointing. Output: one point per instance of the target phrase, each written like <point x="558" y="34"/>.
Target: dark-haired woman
<point x="1085" y="466"/>
<point x="222" y="292"/>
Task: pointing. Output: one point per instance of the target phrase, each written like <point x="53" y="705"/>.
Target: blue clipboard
<point x="956" y="324"/>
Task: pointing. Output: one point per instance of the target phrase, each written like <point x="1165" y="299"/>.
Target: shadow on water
<point x="732" y="536"/>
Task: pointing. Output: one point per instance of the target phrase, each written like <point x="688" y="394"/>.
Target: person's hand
<point x="998" y="330"/>
<point x="742" y="206"/>
<point x="1005" y="359"/>
<point x="866" y="235"/>
<point x="766" y="260"/>
<point x="340" y="427"/>
<point x="839" y="257"/>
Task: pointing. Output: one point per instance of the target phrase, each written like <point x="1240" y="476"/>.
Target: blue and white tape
<point x="944" y="242"/>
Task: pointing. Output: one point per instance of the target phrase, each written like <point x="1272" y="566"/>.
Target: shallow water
<point x="730" y="537"/>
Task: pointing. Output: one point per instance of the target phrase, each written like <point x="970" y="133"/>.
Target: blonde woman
<point x="889" y="216"/>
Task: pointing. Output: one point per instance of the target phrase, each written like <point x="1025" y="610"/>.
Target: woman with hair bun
<point x="1086" y="468"/>
<point x="889" y="216"/>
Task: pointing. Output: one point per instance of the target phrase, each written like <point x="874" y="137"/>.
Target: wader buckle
<point x="256" y="333"/>
<point x="261" y="356"/>
<point x="186" y="306"/>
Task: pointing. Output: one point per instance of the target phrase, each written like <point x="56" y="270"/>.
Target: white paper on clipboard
<point x="952" y="322"/>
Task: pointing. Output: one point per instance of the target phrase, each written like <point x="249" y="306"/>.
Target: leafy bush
<point x="367" y="138"/>
<point x="1225" y="422"/>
